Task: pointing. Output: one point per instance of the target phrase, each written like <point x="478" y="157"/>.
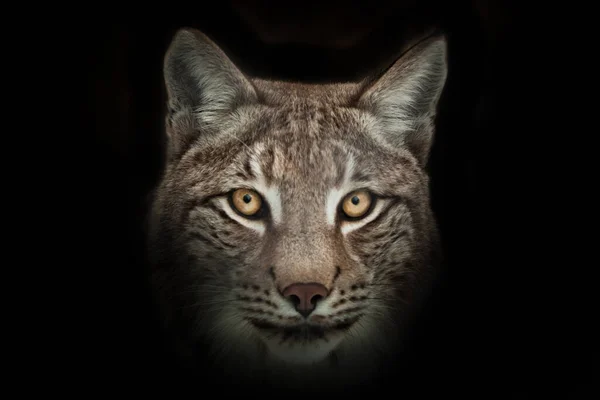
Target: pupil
<point x="355" y="200"/>
<point x="247" y="198"/>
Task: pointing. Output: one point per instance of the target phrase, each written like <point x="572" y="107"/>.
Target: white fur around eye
<point x="255" y="225"/>
<point x="349" y="226"/>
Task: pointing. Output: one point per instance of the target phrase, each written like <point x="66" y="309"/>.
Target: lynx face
<point x="292" y="224"/>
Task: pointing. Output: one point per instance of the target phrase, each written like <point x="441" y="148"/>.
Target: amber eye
<point x="357" y="204"/>
<point x="246" y="201"/>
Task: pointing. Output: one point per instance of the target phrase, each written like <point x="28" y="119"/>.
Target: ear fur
<point x="203" y="87"/>
<point x="405" y="97"/>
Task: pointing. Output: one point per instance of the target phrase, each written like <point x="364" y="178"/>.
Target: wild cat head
<point x="293" y="220"/>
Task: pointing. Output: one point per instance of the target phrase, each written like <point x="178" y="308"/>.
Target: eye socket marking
<point x="247" y="202"/>
<point x="357" y="204"/>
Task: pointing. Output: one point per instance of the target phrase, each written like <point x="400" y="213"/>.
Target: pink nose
<point x="305" y="296"/>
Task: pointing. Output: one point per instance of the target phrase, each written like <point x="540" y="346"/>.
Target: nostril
<point x="295" y="300"/>
<point x="315" y="299"/>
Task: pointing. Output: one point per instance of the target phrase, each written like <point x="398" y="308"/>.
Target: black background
<point x="511" y="312"/>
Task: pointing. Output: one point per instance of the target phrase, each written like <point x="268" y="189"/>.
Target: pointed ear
<point x="203" y="87"/>
<point x="404" y="98"/>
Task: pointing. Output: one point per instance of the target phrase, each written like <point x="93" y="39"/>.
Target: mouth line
<point x="303" y="329"/>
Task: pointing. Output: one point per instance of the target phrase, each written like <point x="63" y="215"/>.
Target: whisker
<point x="385" y="306"/>
<point x="226" y="320"/>
<point x="208" y="286"/>
<point x="210" y="303"/>
<point x="386" y="284"/>
<point x="384" y="299"/>
<point x="205" y="292"/>
<point x="238" y="139"/>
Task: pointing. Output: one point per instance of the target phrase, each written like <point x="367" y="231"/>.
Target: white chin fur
<point x="302" y="353"/>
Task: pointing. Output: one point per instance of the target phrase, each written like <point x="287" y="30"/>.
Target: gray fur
<point x="213" y="275"/>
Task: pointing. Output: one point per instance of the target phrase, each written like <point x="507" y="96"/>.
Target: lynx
<point x="291" y="235"/>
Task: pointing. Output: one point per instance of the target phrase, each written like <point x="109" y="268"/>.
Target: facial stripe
<point x="336" y="194"/>
<point x="271" y="193"/>
<point x="255" y="168"/>
<point x="273" y="199"/>
<point x="333" y="199"/>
